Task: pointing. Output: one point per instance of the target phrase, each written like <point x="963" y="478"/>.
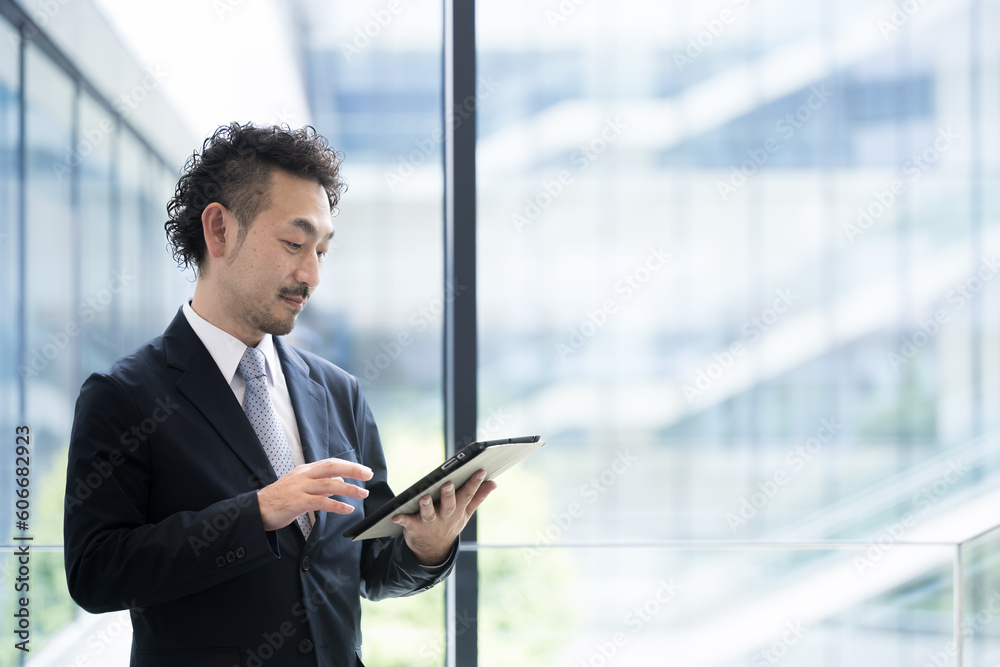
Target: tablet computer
<point x="493" y="456"/>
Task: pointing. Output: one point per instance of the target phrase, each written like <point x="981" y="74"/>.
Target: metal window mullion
<point x="460" y="334"/>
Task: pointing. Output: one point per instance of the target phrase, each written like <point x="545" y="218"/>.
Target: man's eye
<point x="294" y="246"/>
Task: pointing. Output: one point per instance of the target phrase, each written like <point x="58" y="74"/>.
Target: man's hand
<point x="431" y="532"/>
<point x="306" y="489"/>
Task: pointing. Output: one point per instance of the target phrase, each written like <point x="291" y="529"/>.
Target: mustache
<point x="301" y="291"/>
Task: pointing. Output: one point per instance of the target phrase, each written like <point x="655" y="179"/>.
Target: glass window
<point x="144" y="296"/>
<point x="374" y="86"/>
<point x="10" y="264"/>
<point x="174" y="286"/>
<point x="10" y="378"/>
<point x="53" y="330"/>
<point x="71" y="290"/>
<point x="98" y="130"/>
<point x="52" y="321"/>
<point x="735" y="266"/>
<point x="130" y="260"/>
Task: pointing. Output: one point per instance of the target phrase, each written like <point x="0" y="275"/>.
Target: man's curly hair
<point x="234" y="169"/>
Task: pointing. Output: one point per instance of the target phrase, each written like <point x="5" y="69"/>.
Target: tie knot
<point x="251" y="365"/>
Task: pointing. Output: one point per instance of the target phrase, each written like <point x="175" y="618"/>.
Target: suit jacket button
<point x="220" y="561"/>
<point x="305" y="646"/>
<point x="230" y="557"/>
<point x="306" y="565"/>
<point x="240" y="552"/>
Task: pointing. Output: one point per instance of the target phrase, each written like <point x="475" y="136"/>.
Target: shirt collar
<point x="227" y="350"/>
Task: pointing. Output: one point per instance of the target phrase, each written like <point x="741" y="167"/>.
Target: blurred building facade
<point x="736" y="264"/>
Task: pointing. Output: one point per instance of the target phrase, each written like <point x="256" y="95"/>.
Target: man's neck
<point x="210" y="310"/>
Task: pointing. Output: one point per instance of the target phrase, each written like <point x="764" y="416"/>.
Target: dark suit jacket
<point x="162" y="517"/>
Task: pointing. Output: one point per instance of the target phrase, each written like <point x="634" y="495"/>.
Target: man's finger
<point x="339" y="468"/>
<point x="448" y="502"/>
<point x="484" y="490"/>
<point x="334" y="487"/>
<point x="469" y="489"/>
<point x="427" y="513"/>
<point x="335" y="506"/>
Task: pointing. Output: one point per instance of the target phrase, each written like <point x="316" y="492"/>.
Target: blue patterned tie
<point x="260" y="412"/>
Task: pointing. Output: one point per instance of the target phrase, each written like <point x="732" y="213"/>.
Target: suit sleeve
<point x="115" y="556"/>
<point x="388" y="566"/>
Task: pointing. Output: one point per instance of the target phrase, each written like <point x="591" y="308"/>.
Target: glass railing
<point x="699" y="603"/>
<point x="979" y="559"/>
<point x="901" y="572"/>
<point x="695" y="603"/>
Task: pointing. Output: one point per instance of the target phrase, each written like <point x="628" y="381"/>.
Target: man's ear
<point x="214" y="220"/>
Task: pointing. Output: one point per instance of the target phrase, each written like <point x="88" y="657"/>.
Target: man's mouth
<point x="295" y="302"/>
<point x="296" y="299"/>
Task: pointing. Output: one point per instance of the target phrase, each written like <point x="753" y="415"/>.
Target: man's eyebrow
<point x="310" y="229"/>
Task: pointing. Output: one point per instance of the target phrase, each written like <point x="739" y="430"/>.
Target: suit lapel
<point x="203" y="384"/>
<point x="308" y="401"/>
<point x="309" y="404"/>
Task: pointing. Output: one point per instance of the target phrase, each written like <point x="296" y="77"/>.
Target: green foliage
<point x="405" y="632"/>
<point x="525" y="593"/>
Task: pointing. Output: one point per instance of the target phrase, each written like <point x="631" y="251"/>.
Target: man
<point x="213" y="471"/>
